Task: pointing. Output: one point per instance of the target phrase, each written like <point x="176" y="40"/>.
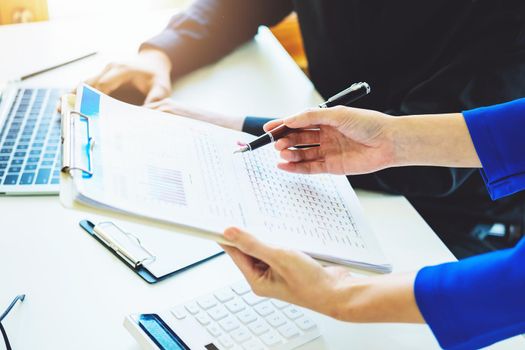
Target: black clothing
<point x="419" y="57"/>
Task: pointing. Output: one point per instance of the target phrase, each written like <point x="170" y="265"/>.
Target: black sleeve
<point x="209" y="29"/>
<point x="254" y="125"/>
<point x="414" y="181"/>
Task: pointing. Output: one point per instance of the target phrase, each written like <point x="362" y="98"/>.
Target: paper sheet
<point x="183" y="171"/>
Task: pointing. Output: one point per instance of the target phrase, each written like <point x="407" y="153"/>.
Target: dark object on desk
<point x="20" y="297"/>
<point x="45" y="70"/>
<point x="130" y="94"/>
<point x="139" y="259"/>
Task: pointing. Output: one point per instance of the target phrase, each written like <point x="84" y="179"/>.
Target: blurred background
<point x="25" y="11"/>
<point x="19" y="11"/>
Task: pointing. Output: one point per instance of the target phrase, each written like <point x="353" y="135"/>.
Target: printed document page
<point x="183" y="171"/>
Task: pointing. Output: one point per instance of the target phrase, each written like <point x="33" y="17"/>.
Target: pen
<point x="45" y="70"/>
<point x="345" y="97"/>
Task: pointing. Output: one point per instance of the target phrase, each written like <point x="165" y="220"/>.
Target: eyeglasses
<point x="20" y="297"/>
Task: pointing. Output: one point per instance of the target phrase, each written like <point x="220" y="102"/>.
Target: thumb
<point x="158" y="92"/>
<point x="251" y="245"/>
<point x="312" y="118"/>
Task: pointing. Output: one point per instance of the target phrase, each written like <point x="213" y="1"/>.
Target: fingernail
<point x="289" y="120"/>
<point x="230" y="233"/>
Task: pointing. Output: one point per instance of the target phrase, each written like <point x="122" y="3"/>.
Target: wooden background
<point x="20" y="11"/>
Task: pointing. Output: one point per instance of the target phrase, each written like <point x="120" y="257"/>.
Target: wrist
<point x="158" y="58"/>
<point x="401" y="141"/>
<point x="386" y="298"/>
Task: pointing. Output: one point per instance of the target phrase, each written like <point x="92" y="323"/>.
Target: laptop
<point x="30" y="159"/>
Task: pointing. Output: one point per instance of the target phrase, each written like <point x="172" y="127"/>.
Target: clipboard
<point x="129" y="249"/>
<point x="155" y="194"/>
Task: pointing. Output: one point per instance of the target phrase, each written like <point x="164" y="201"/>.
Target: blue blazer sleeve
<point x="474" y="302"/>
<point x="498" y="134"/>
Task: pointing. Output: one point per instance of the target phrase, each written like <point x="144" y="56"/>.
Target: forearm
<point x="434" y="140"/>
<point x="209" y="29"/>
<point x="387" y="298"/>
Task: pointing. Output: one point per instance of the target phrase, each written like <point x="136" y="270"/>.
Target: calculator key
<point x="288" y="330"/>
<point x="30" y="167"/>
<point x="270" y="338"/>
<point x="258" y="327"/>
<point x="252" y="299"/>
<point x="20" y="154"/>
<point x="253" y="344"/>
<point x="224" y="295"/>
<point x="35" y="152"/>
<point x="49" y="156"/>
<point x="4" y="158"/>
<point x="17" y="161"/>
<point x="218" y="312"/>
<point x="55" y="181"/>
<point x="235" y="305"/>
<point x="14" y="169"/>
<point x="207" y="302"/>
<point x="241" y="335"/>
<point x="192" y="307"/>
<point x="47" y="162"/>
<point x="305" y="323"/>
<point x="279" y="304"/>
<point x="179" y="313"/>
<point x="3" y="165"/>
<point x="292" y="312"/>
<point x="275" y="319"/>
<point x="203" y="318"/>
<point x="11" y="180"/>
<point x="226" y="341"/>
<point x="214" y="330"/>
<point x="247" y="316"/>
<point x="241" y="288"/>
<point x="264" y="308"/>
<point x="27" y="178"/>
<point x="229" y="323"/>
<point x="33" y="160"/>
<point x="1" y="173"/>
<point x="43" y="176"/>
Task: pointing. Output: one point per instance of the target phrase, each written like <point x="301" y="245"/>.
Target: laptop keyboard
<point x="30" y="139"/>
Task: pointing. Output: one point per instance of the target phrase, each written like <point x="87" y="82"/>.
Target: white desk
<point x="78" y="293"/>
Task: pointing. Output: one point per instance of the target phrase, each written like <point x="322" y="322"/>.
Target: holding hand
<point x="287" y="275"/>
<point x="148" y="72"/>
<point x="352" y="141"/>
<point x="297" y="278"/>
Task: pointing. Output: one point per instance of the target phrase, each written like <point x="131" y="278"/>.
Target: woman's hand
<point x="148" y="73"/>
<point x="352" y="141"/>
<point x="296" y="278"/>
<point x="287" y="275"/>
<point x="358" y="141"/>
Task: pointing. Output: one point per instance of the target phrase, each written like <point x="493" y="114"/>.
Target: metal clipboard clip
<point x="125" y="244"/>
<point x="69" y="163"/>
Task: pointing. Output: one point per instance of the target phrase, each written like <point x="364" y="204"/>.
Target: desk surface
<point x="78" y="293"/>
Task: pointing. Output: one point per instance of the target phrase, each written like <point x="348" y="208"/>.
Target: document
<point x="182" y="171"/>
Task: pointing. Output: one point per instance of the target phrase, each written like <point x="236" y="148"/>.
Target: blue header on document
<point x="90" y="101"/>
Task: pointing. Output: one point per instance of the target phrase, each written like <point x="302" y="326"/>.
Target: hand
<point x="148" y="72"/>
<point x="287" y="275"/>
<point x="174" y="107"/>
<point x="296" y="278"/>
<point x="352" y="141"/>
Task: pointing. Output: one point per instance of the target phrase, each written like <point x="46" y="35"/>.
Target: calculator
<point x="232" y="317"/>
